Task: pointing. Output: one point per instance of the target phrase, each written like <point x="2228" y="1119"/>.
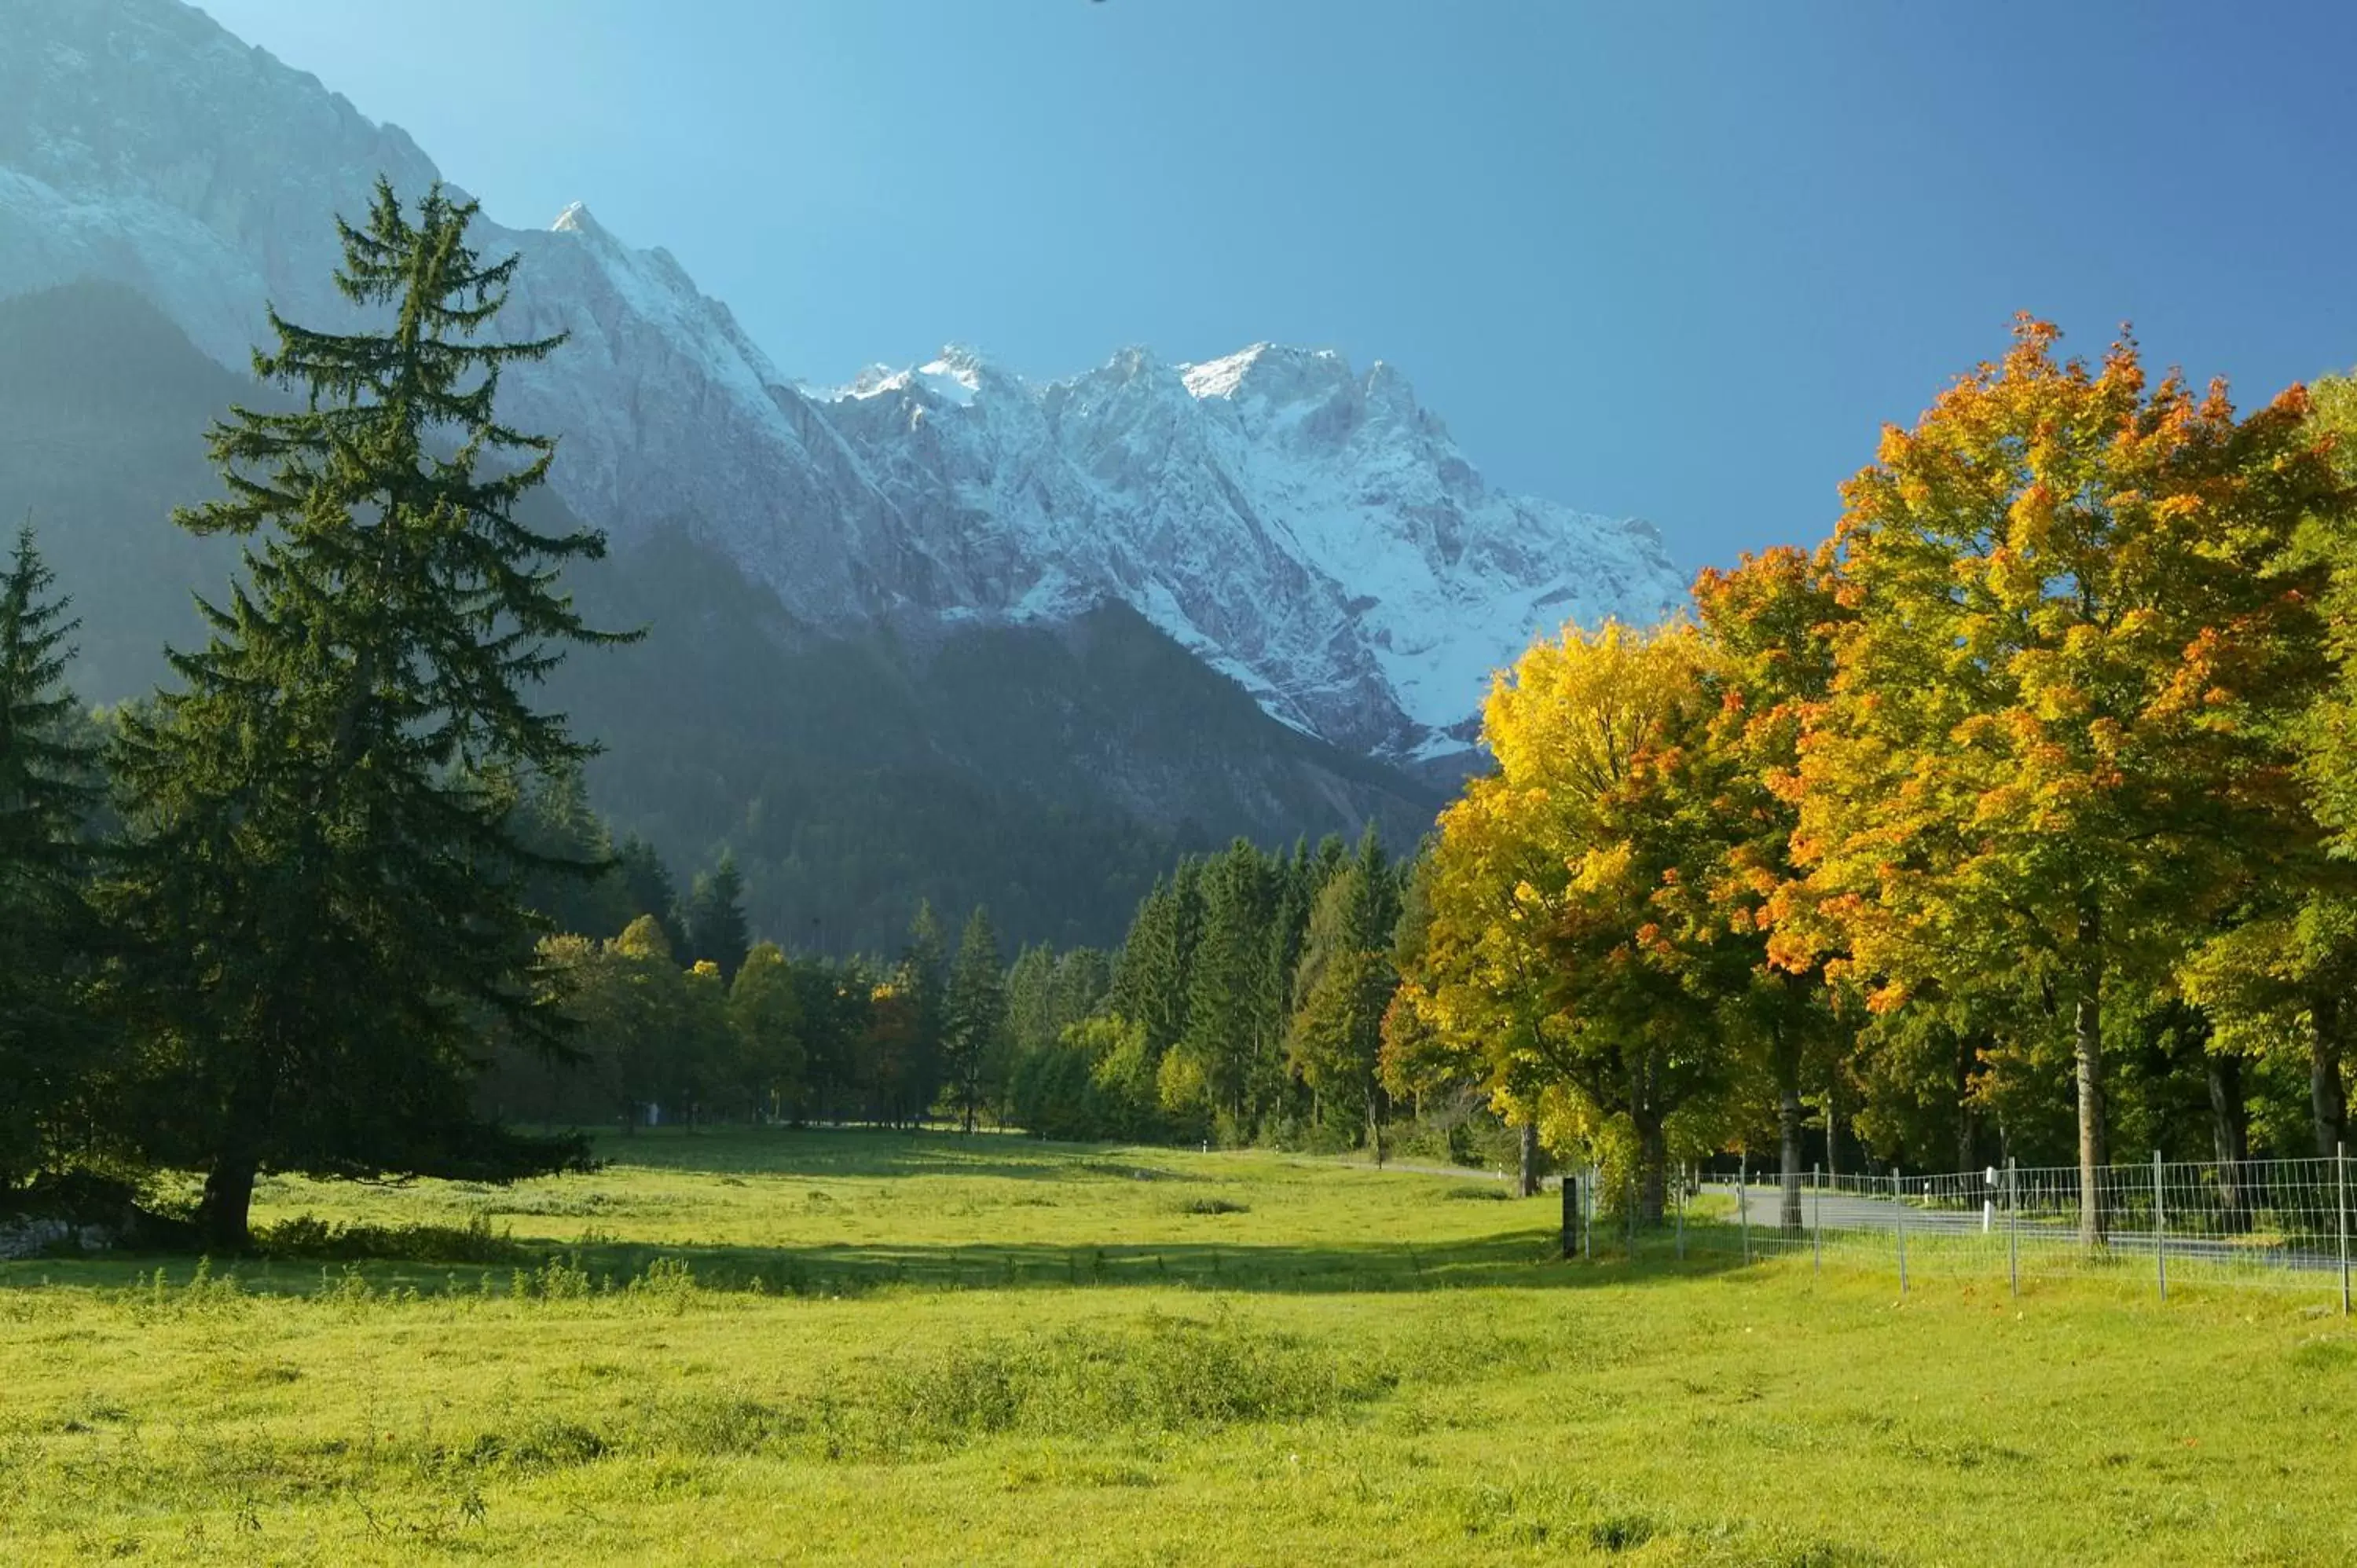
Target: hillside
<point x="1052" y="771"/>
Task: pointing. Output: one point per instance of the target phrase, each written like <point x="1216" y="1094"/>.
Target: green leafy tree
<point x="764" y="1006"/>
<point x="324" y="872"/>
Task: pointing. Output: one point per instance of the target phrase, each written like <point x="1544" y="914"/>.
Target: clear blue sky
<point x="1678" y="261"/>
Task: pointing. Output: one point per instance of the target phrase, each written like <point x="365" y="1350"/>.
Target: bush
<point x="306" y="1236"/>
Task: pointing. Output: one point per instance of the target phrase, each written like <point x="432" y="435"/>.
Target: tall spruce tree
<point x="974" y="1017"/>
<point x="715" y="919"/>
<point x="47" y="1040"/>
<point x="1343" y="988"/>
<point x="1228" y="1025"/>
<point x="323" y="866"/>
<point x="1151" y="977"/>
<point x="925" y="960"/>
<point x="576" y="883"/>
<point x="648" y="889"/>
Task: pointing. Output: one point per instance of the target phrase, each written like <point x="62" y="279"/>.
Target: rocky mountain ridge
<point x="1305" y="527"/>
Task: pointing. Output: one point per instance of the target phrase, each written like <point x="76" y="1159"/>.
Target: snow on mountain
<point x="1305" y="527"/>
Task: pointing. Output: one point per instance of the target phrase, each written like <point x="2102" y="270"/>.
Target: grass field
<point x="755" y="1347"/>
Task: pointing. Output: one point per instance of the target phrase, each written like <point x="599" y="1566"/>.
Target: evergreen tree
<point x="925" y="963"/>
<point x="974" y="1018"/>
<point x="715" y="919"/>
<point x="46" y="1038"/>
<point x="324" y="871"/>
<point x="574" y="883"/>
<point x="648" y="889"/>
<point x="1084" y="976"/>
<point x="1228" y="1025"/>
<point x="1150" y="980"/>
<point x="1342" y="990"/>
<point x="1033" y="1020"/>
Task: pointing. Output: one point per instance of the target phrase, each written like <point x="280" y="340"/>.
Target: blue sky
<point x="1677" y="261"/>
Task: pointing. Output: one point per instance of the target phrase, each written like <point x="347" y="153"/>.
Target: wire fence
<point x="2284" y="1224"/>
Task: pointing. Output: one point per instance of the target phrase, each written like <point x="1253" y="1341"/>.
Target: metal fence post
<point x="2159" y="1230"/>
<point x="1902" y="1246"/>
<point x="1682" y="1212"/>
<point x="2013" y="1223"/>
<point x="2341" y="1201"/>
<point x="1817" y="1221"/>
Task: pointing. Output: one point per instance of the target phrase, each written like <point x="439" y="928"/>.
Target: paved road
<point x="1852" y="1211"/>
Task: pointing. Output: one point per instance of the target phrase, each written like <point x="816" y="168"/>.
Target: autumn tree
<point x="2073" y="630"/>
<point x="1561" y="935"/>
<point x="1769" y="624"/>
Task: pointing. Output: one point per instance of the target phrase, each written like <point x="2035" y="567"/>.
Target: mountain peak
<point x="955" y="375"/>
<point x="1278" y="371"/>
<point x="576" y="219"/>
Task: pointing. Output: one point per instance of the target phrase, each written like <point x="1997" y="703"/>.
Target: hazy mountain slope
<point x="104" y="407"/>
<point x="1052" y="771"/>
<point x="1305" y="528"/>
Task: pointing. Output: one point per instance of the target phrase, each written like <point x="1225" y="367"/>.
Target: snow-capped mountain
<point x="1305" y="527"/>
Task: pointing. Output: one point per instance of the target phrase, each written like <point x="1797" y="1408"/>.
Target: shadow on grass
<point x="1519" y="1260"/>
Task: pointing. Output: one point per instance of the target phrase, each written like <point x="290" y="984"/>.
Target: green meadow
<point x="749" y="1347"/>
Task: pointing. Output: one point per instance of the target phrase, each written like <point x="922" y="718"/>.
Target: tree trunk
<point x="1653" y="1166"/>
<point x="1967" y="1125"/>
<point x="2328" y="1098"/>
<point x="224" y="1215"/>
<point x="1789" y="1125"/>
<point x="1529" y="1137"/>
<point x="2087" y="1049"/>
<point x="2230" y="1132"/>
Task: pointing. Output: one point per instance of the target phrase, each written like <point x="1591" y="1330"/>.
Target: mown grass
<point x="873" y="1347"/>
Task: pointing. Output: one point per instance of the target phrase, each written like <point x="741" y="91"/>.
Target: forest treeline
<point x="2016" y="820"/>
<point x="1245" y="1004"/>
